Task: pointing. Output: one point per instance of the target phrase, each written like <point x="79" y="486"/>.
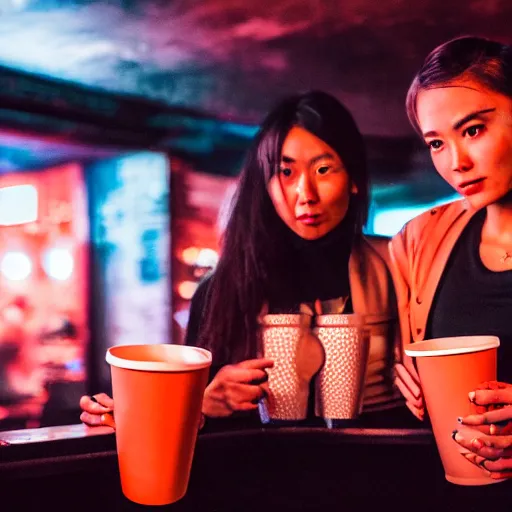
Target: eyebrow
<point x="463" y="121"/>
<point x="288" y="160"/>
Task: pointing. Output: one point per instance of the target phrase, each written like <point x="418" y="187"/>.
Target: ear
<point x="354" y="189"/>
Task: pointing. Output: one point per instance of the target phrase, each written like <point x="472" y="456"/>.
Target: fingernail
<point x="459" y="419"/>
<point x="493" y="429"/>
<point x="472" y="396"/>
<point x="454" y="433"/>
<point x="477" y="444"/>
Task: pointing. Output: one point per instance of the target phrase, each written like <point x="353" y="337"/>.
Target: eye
<point x="323" y="170"/>
<point x="287" y="172"/>
<point x="435" y="145"/>
<point x="473" y="131"/>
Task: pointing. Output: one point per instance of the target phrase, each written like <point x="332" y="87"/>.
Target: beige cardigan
<point x="419" y="253"/>
<point x="372" y="293"/>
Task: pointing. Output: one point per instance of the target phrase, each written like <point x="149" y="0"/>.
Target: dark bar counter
<point x="260" y="469"/>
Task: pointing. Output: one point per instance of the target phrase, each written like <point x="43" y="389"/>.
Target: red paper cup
<point x="158" y="392"/>
<point x="449" y="368"/>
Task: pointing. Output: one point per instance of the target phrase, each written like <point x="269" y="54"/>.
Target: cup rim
<point x="480" y="343"/>
<point x="280" y="319"/>
<point x="161" y="366"/>
<point x="341" y="320"/>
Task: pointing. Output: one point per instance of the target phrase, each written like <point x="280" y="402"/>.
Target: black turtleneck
<point x="307" y="270"/>
<point x="311" y="270"/>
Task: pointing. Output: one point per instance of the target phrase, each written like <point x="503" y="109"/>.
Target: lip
<point x="468" y="188"/>
<point x="309" y="219"/>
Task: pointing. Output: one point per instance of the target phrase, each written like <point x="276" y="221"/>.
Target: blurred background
<point x="123" y="127"/>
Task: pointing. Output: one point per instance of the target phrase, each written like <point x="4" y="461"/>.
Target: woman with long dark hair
<point x="294" y="237"/>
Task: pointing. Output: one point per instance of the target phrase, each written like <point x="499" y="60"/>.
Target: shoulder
<point x="435" y="217"/>
<point x="437" y="221"/>
<point x="376" y="246"/>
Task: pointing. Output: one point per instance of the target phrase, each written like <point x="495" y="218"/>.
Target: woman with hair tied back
<point x="454" y="263"/>
<point x="294" y="237"/>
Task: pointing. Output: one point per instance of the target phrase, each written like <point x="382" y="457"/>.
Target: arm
<point x="232" y="388"/>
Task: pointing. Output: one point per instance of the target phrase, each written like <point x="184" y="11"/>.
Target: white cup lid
<point x="158" y="357"/>
<point x="451" y="346"/>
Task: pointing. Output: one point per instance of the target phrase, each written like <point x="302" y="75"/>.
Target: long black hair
<point x="254" y="245"/>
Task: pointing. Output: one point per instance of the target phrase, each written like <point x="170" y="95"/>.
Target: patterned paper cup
<point x="340" y="384"/>
<point x="288" y="398"/>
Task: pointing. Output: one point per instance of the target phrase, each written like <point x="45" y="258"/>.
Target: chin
<point x="311" y="234"/>
<point x="478" y="202"/>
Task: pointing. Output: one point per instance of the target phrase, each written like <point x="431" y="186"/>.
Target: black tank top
<point x="473" y="300"/>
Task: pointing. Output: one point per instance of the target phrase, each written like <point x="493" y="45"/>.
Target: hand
<point x="493" y="451"/>
<point x="97" y="410"/>
<point x="236" y="387"/>
<point x="407" y="381"/>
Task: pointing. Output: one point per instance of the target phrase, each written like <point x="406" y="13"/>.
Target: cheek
<point x="503" y="162"/>
<point x="335" y="196"/>
<point x="442" y="165"/>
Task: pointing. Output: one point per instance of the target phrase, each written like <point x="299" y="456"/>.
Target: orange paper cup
<point x="449" y="368"/>
<point x="158" y="393"/>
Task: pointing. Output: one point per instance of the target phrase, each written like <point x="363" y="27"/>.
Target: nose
<point x="306" y="189"/>
<point x="461" y="161"/>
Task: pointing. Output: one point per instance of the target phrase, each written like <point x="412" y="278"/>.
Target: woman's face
<point x="311" y="190"/>
<point x="468" y="129"/>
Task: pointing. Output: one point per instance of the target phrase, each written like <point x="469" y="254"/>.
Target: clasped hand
<point x="490" y="443"/>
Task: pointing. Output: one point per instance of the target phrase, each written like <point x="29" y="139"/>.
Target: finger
<point x="475" y="459"/>
<point x="104" y="399"/>
<point x="499" y="442"/>
<point x="108" y="420"/>
<point x="491" y="396"/>
<point x="88" y="405"/>
<point x="409" y="364"/>
<point x="240" y="375"/>
<point x="478" y="445"/>
<point x="243" y="407"/>
<point x="500" y="429"/>
<point x="92" y="420"/>
<point x="500" y="476"/>
<point x="256" y="364"/>
<point x="492" y="384"/>
<point x="500" y="465"/>
<point x="406" y="392"/>
<point x="419" y="413"/>
<point x="408" y="380"/>
<point x="498" y="416"/>
<point x="242" y="393"/>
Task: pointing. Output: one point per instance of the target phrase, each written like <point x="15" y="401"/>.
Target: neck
<point x="498" y="223"/>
